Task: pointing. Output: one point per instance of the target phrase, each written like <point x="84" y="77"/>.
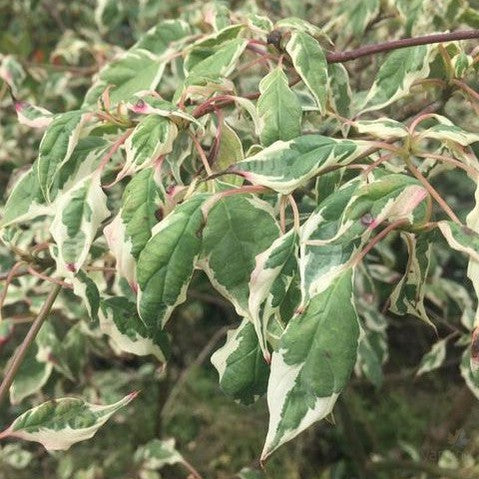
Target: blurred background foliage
<point x="430" y="420"/>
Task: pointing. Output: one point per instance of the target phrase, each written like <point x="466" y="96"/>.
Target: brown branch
<point x="367" y="50"/>
<point x="29" y="338"/>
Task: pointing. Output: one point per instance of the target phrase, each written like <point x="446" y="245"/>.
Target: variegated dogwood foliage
<point x="228" y="144"/>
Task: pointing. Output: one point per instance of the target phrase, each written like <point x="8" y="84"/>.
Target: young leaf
<point x="286" y="165"/>
<point x="57" y="146"/>
<point x="434" y="358"/>
<point x="243" y="372"/>
<point x="397" y="73"/>
<point x="279" y="109"/>
<point x="151" y="138"/>
<point x="79" y="213"/>
<point x="316" y="356"/>
<point x="237" y="229"/>
<point x="119" y="320"/>
<point x="309" y="61"/>
<point x="62" y="422"/>
<point x="166" y="264"/>
<point x="32" y="116"/>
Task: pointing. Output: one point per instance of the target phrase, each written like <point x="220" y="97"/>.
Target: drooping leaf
<point x="316" y="356"/>
<point x="434" y="358"/>
<point x="237" y="229"/>
<point x="166" y="264"/>
<point x="309" y="61"/>
<point x="270" y="280"/>
<point x="408" y="295"/>
<point x="79" y="213"/>
<point x="279" y="109"/>
<point x="31" y="377"/>
<point x="59" y="423"/>
<point x="243" y="372"/>
<point x="119" y="320"/>
<point x="26" y="201"/>
<point x="286" y="165"/>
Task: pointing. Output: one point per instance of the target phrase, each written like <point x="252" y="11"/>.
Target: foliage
<point x="229" y="157"/>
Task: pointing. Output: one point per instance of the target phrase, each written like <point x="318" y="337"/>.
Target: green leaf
<point x="57" y="146"/>
<point x="316" y="356"/>
<point x="79" y="213"/>
<point x="59" y="423"/>
<point x="237" y="229"/>
<point x="166" y="264"/>
<point x="243" y="372"/>
<point x="309" y="61"/>
<point x="461" y="238"/>
<point x="434" y="358"/>
<point x="284" y="166"/>
<point x="270" y="281"/>
<point x="120" y="321"/>
<point x="396" y="76"/>
<point x="279" y="109"/>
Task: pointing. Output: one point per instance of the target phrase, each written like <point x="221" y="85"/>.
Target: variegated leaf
<point x="59" y="423"/>
<point x="166" y="263"/>
<point x="286" y="165"/>
<point x="316" y="356"/>
<point x="461" y="238"/>
<point x="269" y="282"/>
<point x="158" y="453"/>
<point x="309" y="61"/>
<point x="243" y="372"/>
<point x="446" y="131"/>
<point x="26" y="200"/>
<point x="119" y="320"/>
<point x="32" y="116"/>
<point x="79" y="213"/>
<point x="237" y="229"/>
<point x="141" y="67"/>
<point x="408" y="295"/>
<point x="434" y="358"/>
<point x="86" y="289"/>
<point x="151" y="138"/>
<point x="279" y="109"/>
<point x="398" y="72"/>
<point x="384" y="128"/>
